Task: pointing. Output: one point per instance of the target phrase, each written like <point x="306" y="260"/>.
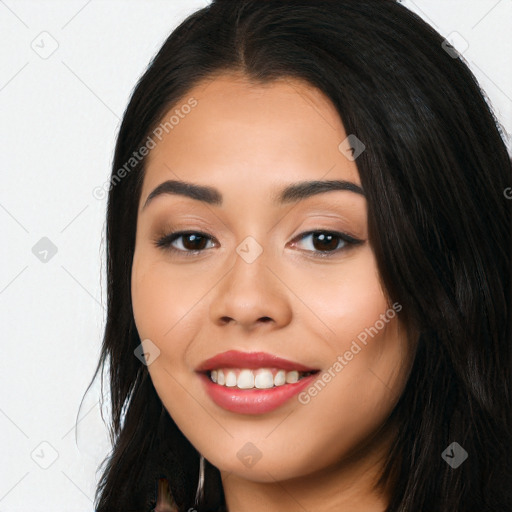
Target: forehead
<point x="251" y="134"/>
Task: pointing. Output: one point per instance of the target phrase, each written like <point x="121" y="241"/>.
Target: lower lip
<point x="253" y="401"/>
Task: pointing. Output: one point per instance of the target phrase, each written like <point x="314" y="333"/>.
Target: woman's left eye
<point x="323" y="243"/>
<point x="328" y="242"/>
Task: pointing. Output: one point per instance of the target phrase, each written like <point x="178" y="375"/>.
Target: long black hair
<point x="435" y="169"/>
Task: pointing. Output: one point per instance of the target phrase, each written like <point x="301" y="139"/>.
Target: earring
<point x="200" y="482"/>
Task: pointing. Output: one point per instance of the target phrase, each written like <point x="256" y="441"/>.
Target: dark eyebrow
<point x="203" y="193"/>
<point x="291" y="193"/>
<point x="304" y="189"/>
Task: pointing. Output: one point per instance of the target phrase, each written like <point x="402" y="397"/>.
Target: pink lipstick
<point x="253" y="382"/>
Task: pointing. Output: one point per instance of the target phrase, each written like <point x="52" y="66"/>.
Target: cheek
<point x="166" y="311"/>
<point x="346" y="299"/>
<point x="152" y="302"/>
<point x="160" y="314"/>
<point x="368" y="363"/>
<point x="165" y="303"/>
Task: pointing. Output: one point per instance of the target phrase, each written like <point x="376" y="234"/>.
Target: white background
<point x="59" y="118"/>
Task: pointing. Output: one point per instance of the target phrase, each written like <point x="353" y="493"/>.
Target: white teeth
<point x="280" y="378"/>
<point x="262" y="378"/>
<point x="245" y="379"/>
<point x="230" y="379"/>
<point x="292" y="377"/>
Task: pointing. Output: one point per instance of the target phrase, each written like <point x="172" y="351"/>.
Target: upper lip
<point x="250" y="360"/>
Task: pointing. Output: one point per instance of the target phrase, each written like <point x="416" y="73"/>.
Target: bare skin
<point x="249" y="141"/>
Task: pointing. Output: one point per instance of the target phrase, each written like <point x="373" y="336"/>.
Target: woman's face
<point x="271" y="276"/>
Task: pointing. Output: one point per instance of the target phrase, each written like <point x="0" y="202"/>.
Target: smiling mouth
<point x="260" y="378"/>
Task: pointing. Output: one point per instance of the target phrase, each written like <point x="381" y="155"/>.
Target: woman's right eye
<point x="191" y="242"/>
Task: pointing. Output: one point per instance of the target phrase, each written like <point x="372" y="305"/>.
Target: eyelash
<point x="166" y="241"/>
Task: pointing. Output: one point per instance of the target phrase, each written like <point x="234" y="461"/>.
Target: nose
<point x="251" y="296"/>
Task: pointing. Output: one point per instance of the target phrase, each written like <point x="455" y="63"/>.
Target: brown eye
<point x="187" y="241"/>
<point x="193" y="242"/>
<point x="327" y="242"/>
